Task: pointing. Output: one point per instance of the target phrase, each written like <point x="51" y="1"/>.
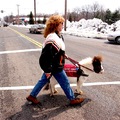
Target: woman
<point x="52" y="61"/>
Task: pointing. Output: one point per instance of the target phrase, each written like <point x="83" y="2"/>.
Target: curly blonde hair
<point x="52" y="24"/>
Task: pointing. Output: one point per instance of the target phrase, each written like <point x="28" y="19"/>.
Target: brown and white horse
<point x="88" y="65"/>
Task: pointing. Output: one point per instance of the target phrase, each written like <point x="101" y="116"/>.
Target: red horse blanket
<point x="71" y="70"/>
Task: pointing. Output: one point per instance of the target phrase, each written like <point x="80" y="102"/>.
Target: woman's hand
<point x="66" y="57"/>
<point x="48" y="75"/>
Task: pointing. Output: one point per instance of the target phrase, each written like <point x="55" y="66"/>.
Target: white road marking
<point x="102" y="83"/>
<point x="94" y="84"/>
<point x="16" y="88"/>
<point x="19" y="51"/>
<point x="56" y="86"/>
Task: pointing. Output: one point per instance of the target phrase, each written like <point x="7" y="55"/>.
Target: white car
<point x="114" y="37"/>
<point x="37" y="28"/>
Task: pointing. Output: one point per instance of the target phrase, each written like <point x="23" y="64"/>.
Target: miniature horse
<point x="82" y="73"/>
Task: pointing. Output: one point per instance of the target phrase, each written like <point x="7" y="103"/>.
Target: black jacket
<point x="52" y="57"/>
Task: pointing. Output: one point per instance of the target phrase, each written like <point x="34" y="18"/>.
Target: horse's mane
<point x="89" y="60"/>
<point x="98" y="58"/>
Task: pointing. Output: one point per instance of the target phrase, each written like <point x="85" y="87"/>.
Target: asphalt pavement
<point x="19" y="72"/>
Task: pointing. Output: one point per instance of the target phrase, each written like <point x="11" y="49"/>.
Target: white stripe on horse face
<point x="102" y="70"/>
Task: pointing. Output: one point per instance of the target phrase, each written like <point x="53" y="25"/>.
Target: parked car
<point x="5" y="24"/>
<point x="37" y="28"/>
<point x="114" y="37"/>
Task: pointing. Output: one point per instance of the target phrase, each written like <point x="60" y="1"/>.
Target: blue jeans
<point x="61" y="78"/>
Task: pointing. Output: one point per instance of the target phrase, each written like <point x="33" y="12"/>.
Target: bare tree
<point x="95" y="8"/>
<point x="76" y="14"/>
<point x="86" y="12"/>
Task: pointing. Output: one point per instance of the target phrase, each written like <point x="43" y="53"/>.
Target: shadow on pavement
<point x="49" y="108"/>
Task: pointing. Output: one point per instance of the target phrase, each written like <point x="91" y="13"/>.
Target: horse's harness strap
<point x="77" y="63"/>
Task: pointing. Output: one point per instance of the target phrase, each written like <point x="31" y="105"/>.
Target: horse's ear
<point x="99" y="57"/>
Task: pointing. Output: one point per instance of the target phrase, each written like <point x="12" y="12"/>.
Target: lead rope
<point x="77" y="63"/>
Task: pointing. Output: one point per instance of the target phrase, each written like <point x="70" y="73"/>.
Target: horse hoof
<point x="55" y="91"/>
<point x="79" y="92"/>
<point x="51" y="95"/>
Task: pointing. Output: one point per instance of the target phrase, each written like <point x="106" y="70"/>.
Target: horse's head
<point x="97" y="64"/>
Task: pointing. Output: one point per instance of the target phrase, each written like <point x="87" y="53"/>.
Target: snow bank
<point x="93" y="28"/>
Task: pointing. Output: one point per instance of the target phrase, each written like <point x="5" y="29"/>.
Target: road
<point x="19" y="72"/>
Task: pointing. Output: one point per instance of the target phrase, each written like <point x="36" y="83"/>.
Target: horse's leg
<point x="80" y="82"/>
<point x="79" y="86"/>
<point x="52" y="86"/>
<point x="51" y="89"/>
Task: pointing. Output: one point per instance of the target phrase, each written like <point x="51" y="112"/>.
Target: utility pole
<point x="35" y="10"/>
<point x="65" y="14"/>
<point x="17" y="14"/>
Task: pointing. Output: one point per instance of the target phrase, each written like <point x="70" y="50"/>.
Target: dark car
<point x="37" y="28"/>
<point x="5" y="24"/>
<point x="114" y="37"/>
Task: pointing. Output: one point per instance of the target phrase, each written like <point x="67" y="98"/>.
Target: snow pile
<point x="93" y="28"/>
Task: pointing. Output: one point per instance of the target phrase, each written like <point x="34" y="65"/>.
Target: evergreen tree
<point x="31" y="20"/>
<point x="70" y="17"/>
<point x="44" y="20"/>
<point x="39" y="21"/>
<point x="108" y="16"/>
<point x="115" y="16"/>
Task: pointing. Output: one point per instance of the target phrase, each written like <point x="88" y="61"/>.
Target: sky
<point x="50" y="6"/>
